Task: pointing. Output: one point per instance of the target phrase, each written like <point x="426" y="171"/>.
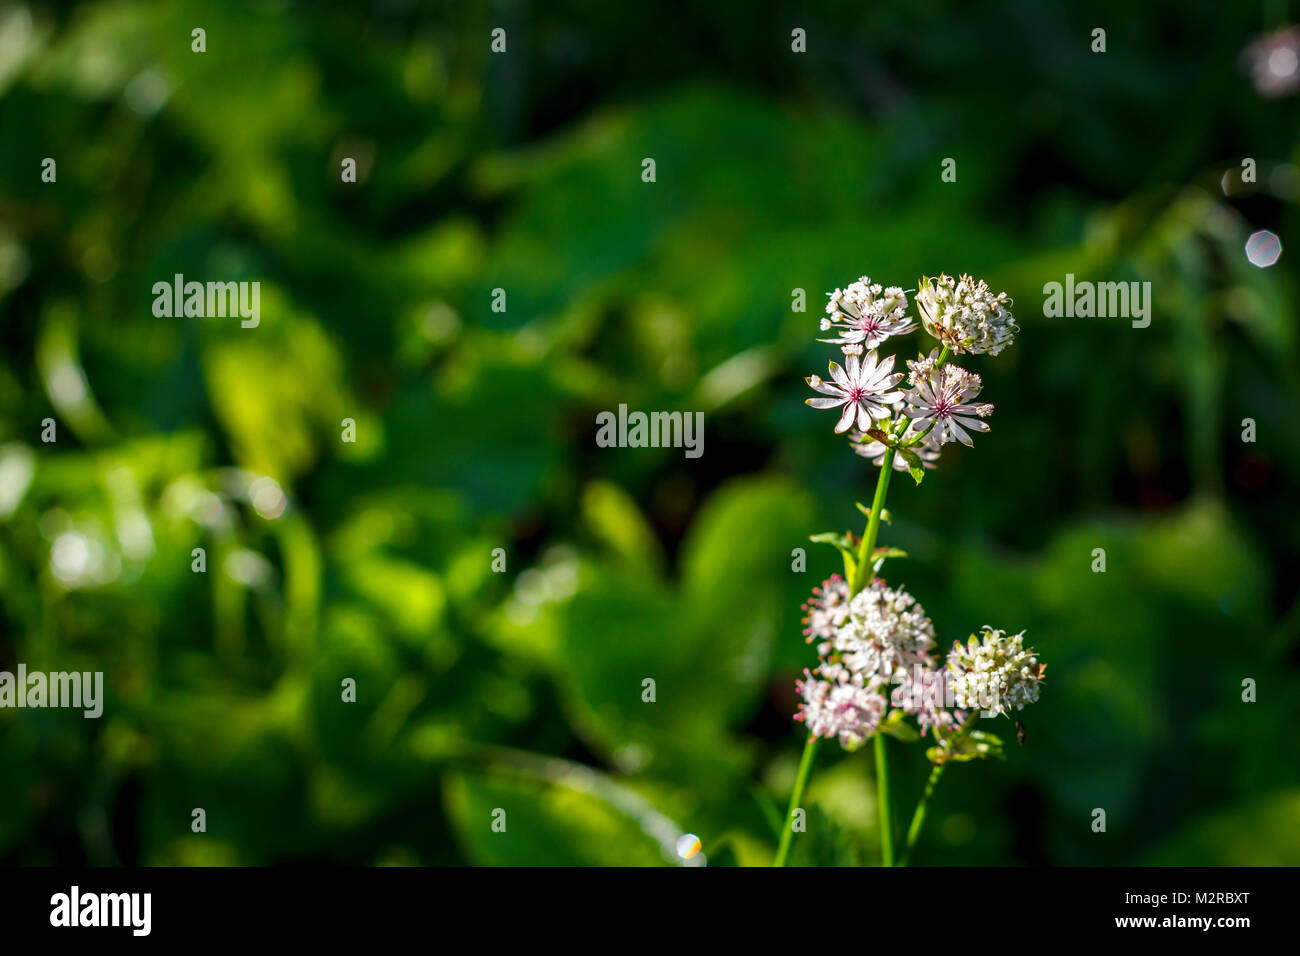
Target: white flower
<point x="838" y="704"/>
<point x="944" y="398"/>
<point x="863" y="388"/>
<point x="886" y="630"/>
<point x="965" y="315"/>
<point x="997" y="673"/>
<point x="867" y="314"/>
<point x="879" y="632"/>
<point x="923" y="691"/>
<point x="826" y="610"/>
<point x="918" y="370"/>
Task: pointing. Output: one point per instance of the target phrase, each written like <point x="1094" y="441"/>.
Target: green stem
<point x="882" y="801"/>
<point x="919" y="436"/>
<point x="862" y="575"/>
<point x="862" y="572"/>
<point x="918" y="818"/>
<point x="800" y="781"/>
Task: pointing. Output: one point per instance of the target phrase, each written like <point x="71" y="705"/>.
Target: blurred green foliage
<point x="475" y="429"/>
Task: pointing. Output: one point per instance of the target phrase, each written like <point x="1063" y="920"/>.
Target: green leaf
<point x="616" y="519"/>
<point x="738" y="848"/>
<point x="769" y="516"/>
<point x="897" y="727"/>
<point x="885" y="516"/>
<point x="976" y="745"/>
<point x="845" y="546"/>
<point x="914" y="466"/>
<point x="698" y="684"/>
<point x="879" y="555"/>
<point x="736" y="564"/>
<point x="544" y="825"/>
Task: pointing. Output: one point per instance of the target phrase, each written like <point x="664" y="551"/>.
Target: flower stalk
<point x="800" y="781"/>
<point x="918" y="817"/>
<point x="884" y="820"/>
<point x="861" y="570"/>
<point x="875" y="645"/>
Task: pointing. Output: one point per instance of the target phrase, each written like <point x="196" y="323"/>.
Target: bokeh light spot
<point x="1263" y="248"/>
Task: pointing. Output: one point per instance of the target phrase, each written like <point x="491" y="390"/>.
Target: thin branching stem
<point x="800" y="781"/>
<point x="862" y="575"/>
<point x="918" y="818"/>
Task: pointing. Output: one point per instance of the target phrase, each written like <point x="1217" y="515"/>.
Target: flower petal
<point x="826" y="388"/>
<point x="854" y="368"/>
<point x="846" y="419"/>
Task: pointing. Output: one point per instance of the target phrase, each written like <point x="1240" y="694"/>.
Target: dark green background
<point x="476" y="430"/>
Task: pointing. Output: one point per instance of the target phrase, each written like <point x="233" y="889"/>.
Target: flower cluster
<point x="838" y="704"/>
<point x="882" y="637"/>
<point x="938" y="406"/>
<point x="826" y="610"/>
<point x="996" y="673"/>
<point x="878" y="637"/>
<point x="885" y="631"/>
<point x="923" y="692"/>
<point x="866" y="314"/>
<point x="863" y="389"/>
<point x="942" y="396"/>
<point x="965" y="315"/>
<point x="871" y="637"/>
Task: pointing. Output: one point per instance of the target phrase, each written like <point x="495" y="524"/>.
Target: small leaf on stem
<point x="895" y="726"/>
<point x="885" y="516"/>
<point x="914" y="466"/>
<point x="879" y="555"/>
<point x="844" y="543"/>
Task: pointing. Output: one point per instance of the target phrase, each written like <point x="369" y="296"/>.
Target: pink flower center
<point x="856" y="393"/>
